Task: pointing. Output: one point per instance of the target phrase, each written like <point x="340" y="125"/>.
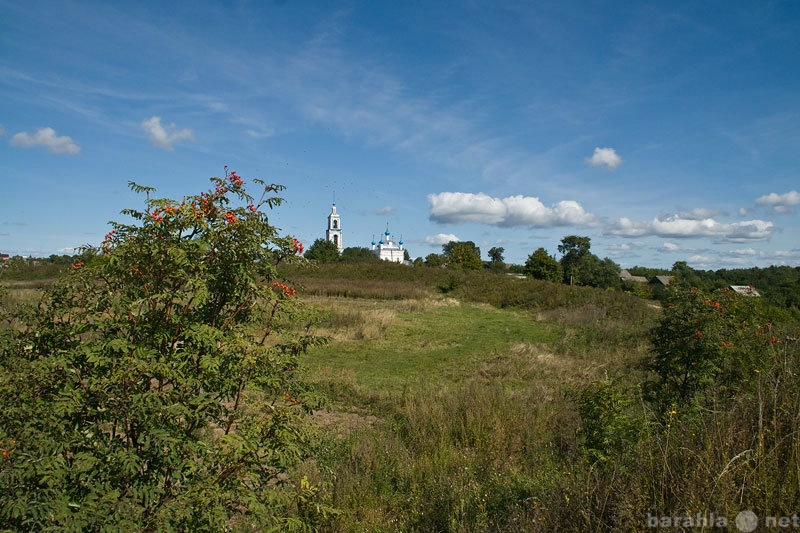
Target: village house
<point x="625" y="275"/>
<point x="745" y="290"/>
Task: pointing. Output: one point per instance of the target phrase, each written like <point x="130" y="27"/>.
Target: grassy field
<point x="390" y="346"/>
<point x="448" y="413"/>
<point x="467" y="402"/>
<point x="456" y="400"/>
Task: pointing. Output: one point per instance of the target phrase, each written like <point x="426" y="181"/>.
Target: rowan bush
<point x="155" y="386"/>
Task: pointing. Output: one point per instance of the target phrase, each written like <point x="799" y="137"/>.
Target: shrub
<point x="154" y="387"/>
<point x="706" y="342"/>
<point x="609" y="425"/>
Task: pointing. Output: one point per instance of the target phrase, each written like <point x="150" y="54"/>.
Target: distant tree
<point x="323" y="251"/>
<point x="358" y="255"/>
<point x="572" y="249"/>
<point x="434" y="260"/>
<point x="406" y="255"/>
<point x="685" y="274"/>
<point x="541" y="265"/>
<point x="463" y="255"/>
<point x="496" y="254"/>
<point x="419" y="261"/>
<point x="600" y="273"/>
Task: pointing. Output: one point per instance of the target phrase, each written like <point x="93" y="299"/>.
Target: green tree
<point x="434" y="260"/>
<point x="462" y="255"/>
<point x="572" y="249"/>
<point x="358" y="255"/>
<point x="322" y="250"/>
<point x="496" y="254"/>
<point x="541" y="265"/>
<point x="154" y="387"/>
<point x="600" y="273"/>
<point x="686" y="275"/>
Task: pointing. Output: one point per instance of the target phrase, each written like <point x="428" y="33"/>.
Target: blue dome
<point x="380" y="241"/>
<point x="401" y="242"/>
<point x="387" y="232"/>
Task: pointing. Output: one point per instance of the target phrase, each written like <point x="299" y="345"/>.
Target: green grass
<point x="392" y="349"/>
<point x="462" y="411"/>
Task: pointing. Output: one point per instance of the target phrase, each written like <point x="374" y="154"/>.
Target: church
<point x="386" y="249"/>
<point x="334" y="232"/>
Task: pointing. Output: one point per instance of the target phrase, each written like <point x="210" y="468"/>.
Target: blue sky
<point x="665" y="131"/>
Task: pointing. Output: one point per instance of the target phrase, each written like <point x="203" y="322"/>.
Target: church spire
<point x="334" y="231"/>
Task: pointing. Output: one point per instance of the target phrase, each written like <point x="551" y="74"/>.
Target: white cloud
<point x="604" y="157"/>
<point x="164" y="137"/>
<point x="677" y="226"/>
<point x="780" y="203"/>
<point x="461" y="207"/>
<point x="702" y="261"/>
<point x="385" y="210"/>
<point x="743" y="252"/>
<point x="744" y="212"/>
<point x="699" y="213"/>
<point x="47" y="138"/>
<point x="441" y="238"/>
<point x="671" y="247"/>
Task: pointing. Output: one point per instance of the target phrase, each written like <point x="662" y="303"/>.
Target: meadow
<point x="479" y="402"/>
<point x="474" y="401"/>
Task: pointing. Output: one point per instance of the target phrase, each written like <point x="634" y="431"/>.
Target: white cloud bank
<point x="676" y="226"/>
<point x="461" y="207"/>
<point x="605" y="157"/>
<point x="164" y="137"/>
<point x="780" y="203"/>
<point x="441" y="238"/>
<point x="47" y="138"/>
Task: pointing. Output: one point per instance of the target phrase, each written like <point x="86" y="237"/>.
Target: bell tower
<point x="334" y="231"/>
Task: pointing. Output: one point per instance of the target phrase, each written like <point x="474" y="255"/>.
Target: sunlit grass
<point x="390" y="347"/>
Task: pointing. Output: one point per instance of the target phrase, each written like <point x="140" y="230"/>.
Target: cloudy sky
<point x="665" y="131"/>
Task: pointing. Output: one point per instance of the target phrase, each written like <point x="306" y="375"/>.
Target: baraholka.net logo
<point x="745" y="521"/>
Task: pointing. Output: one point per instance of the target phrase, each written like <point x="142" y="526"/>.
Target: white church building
<point x="387" y="250"/>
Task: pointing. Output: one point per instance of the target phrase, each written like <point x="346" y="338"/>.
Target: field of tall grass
<point x="467" y="402"/>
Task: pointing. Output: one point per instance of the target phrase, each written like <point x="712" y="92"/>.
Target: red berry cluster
<point x="6" y="453"/>
<point x="77" y="265"/>
<point x="288" y="398"/>
<point x="206" y="206"/>
<point x="298" y="246"/>
<point x="287" y="290"/>
<point x="234" y="178"/>
<point x="106" y="245"/>
<point x="230" y="218"/>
